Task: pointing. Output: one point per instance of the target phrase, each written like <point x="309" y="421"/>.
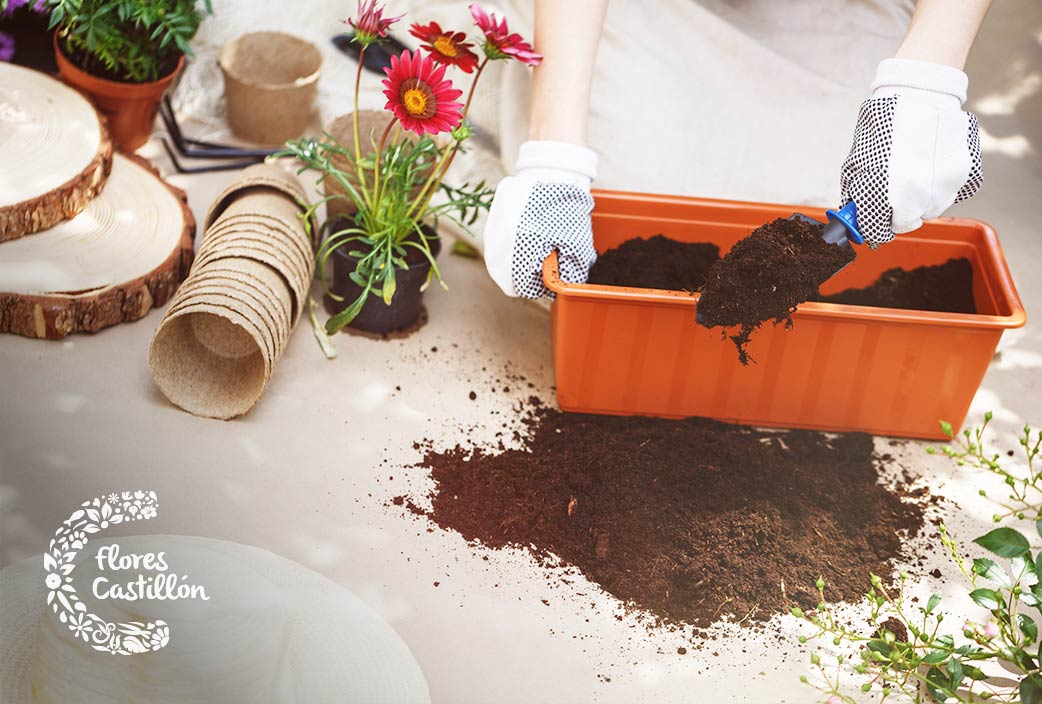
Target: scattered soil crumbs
<point x="947" y="288"/>
<point x="657" y="262"/>
<point x="766" y="275"/>
<point x="690" y="520"/>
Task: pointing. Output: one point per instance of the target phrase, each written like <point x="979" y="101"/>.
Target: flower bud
<point x="990" y="630"/>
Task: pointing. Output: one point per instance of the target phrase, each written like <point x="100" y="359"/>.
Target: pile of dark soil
<point x="946" y="288"/>
<point x="766" y="275"/>
<point x="690" y="520"/>
<point x="656" y="262"/>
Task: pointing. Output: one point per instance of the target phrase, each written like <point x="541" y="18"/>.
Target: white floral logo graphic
<point x="94" y="516"/>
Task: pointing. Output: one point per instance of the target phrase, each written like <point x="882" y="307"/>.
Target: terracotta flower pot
<point x="130" y="107"/>
<point x="376" y="316"/>
<point x="841" y="367"/>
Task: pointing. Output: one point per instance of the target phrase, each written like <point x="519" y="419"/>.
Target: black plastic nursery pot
<point x="377" y="316"/>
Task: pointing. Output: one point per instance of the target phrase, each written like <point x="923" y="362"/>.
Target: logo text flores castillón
<point x="151" y="578"/>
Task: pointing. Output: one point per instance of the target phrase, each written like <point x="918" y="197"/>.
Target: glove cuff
<point x="543" y="154"/>
<point x="919" y="75"/>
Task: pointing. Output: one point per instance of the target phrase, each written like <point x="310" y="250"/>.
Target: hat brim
<point x="339" y="650"/>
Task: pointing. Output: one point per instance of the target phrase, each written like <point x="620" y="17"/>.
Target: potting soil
<point x="946" y="288"/>
<point x="766" y="275"/>
<point x="691" y="520"/>
<point x="656" y="262"/>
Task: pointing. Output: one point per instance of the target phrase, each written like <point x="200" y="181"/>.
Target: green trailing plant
<point x="910" y="651"/>
<point x="132" y="40"/>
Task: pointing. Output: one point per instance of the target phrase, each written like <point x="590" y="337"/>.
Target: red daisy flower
<point x="499" y="42"/>
<point x="446" y="47"/>
<point x="370" y="24"/>
<point x="419" y="96"/>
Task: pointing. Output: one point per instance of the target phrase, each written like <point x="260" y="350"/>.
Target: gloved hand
<point x="915" y="151"/>
<point x="546" y="206"/>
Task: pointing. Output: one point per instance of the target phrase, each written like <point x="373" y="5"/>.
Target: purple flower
<point x="39" y="6"/>
<point x="6" y="46"/>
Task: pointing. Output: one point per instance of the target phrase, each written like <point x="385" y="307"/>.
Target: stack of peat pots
<point x="219" y="342"/>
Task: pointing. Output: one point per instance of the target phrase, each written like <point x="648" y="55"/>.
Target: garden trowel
<point x="840" y="230"/>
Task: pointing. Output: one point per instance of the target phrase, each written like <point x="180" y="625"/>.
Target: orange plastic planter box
<point x="630" y="351"/>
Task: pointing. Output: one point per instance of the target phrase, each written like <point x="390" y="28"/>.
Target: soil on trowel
<point x="766" y="275"/>
<point x="691" y="520"/>
<point x="656" y="262"/>
<point x="946" y="288"/>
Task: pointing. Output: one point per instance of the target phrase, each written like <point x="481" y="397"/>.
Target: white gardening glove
<point x="545" y="207"/>
<point x="915" y="151"/>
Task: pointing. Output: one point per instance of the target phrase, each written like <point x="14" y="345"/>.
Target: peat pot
<point x="270" y="83"/>
<point x="376" y="316"/>
<point x="130" y="107"/>
<point x="626" y="351"/>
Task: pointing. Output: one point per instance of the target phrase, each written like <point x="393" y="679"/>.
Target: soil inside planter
<point x="690" y="520"/>
<point x="656" y="262"/>
<point x="766" y="275"/>
<point x="945" y="288"/>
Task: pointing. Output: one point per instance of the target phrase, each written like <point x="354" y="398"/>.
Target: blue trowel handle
<point x="842" y="225"/>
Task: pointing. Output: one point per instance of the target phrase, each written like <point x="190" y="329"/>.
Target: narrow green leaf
<point x="1004" y="542"/>
<point x="932" y="603"/>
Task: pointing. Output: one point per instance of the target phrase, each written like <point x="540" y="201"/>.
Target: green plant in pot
<point x="124" y="54"/>
<point x="383" y="242"/>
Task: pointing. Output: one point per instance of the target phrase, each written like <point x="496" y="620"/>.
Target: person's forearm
<point x="566" y="34"/>
<point x="942" y="31"/>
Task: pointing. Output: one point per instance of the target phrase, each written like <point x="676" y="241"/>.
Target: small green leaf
<point x="1038" y="527"/>
<point x="935" y="657"/>
<point x="1020" y="566"/>
<point x="1030" y="691"/>
<point x="1028" y="627"/>
<point x="988" y="598"/>
<point x="937" y="684"/>
<point x="1004" y="542"/>
<point x="932" y="603"/>
<point x="946" y="428"/>
<point x="974" y="673"/>
<point x="954" y="670"/>
<point x="990" y="571"/>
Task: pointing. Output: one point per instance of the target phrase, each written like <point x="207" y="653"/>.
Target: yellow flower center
<point x="418" y="99"/>
<point x="415" y="101"/>
<point x="444" y="45"/>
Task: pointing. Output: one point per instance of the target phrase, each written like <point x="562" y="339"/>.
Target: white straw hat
<point x="304" y="638"/>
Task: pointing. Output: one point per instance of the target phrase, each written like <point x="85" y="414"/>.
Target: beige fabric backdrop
<point x="751" y="99"/>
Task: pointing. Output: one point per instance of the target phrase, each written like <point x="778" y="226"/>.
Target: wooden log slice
<point x="128" y="251"/>
<point x="55" y="152"/>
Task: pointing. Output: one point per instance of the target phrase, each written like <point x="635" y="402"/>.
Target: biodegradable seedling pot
<point x="130" y="107"/>
<point x="622" y="350"/>
<point x="270" y="82"/>
<point x="371" y="125"/>
<point x="376" y="316"/>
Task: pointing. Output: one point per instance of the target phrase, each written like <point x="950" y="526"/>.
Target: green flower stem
<point x="358" y="141"/>
<point x="423" y="199"/>
<point x="376" y="168"/>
